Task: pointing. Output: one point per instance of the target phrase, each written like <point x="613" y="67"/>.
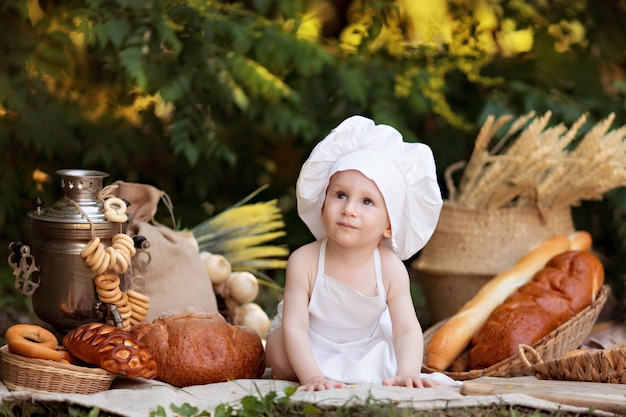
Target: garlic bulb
<point x="217" y="266"/>
<point x="252" y="316"/>
<point x="242" y="287"/>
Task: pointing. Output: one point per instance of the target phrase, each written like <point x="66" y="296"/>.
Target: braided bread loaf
<point x="112" y="349"/>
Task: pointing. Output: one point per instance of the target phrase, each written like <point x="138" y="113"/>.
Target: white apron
<point x="350" y="333"/>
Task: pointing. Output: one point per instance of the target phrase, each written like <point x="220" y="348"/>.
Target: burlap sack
<point x="175" y="277"/>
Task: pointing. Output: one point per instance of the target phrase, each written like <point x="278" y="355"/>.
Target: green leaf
<point x="117" y="30"/>
<point x="311" y="409"/>
<point x="186" y="409"/>
<point x="131" y="59"/>
<point x="159" y="412"/>
<point x="177" y="88"/>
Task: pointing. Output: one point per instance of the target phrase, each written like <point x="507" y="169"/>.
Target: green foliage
<point x="50" y="409"/>
<point x="272" y="404"/>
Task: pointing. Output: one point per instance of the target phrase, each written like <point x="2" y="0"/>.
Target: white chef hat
<point x="404" y="173"/>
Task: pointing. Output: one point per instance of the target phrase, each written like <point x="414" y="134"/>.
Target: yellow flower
<point x="428" y="21"/>
<point x="567" y="34"/>
<point x="512" y="41"/>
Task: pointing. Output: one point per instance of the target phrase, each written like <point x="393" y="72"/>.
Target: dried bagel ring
<point x="104" y="265"/>
<point x="125" y="310"/>
<point x="115" y="217"/>
<point x="122" y="251"/>
<point x="90" y="247"/>
<point x="95" y="257"/>
<point x="112" y="297"/>
<point x="121" y="266"/>
<point x="107" y="281"/>
<point x="114" y="204"/>
<point x="113" y="257"/>
<point x="137" y="317"/>
<point x="127" y="241"/>
<point x="138" y="296"/>
<point x="142" y="304"/>
<point x="136" y="308"/>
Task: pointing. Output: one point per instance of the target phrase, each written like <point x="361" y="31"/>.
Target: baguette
<point x="580" y="240"/>
<point x="452" y="338"/>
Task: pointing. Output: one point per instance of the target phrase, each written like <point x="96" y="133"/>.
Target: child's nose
<point x="349" y="208"/>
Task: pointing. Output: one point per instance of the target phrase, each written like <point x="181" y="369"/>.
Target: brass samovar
<point x="51" y="270"/>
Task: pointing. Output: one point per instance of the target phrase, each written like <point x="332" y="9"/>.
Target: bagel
<point x="107" y="281"/>
<point x="90" y="247"/>
<point x="33" y="341"/>
<point x="115" y="204"/>
<point x="115" y="217"/>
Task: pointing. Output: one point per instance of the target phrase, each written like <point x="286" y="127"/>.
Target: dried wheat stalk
<point x="533" y="165"/>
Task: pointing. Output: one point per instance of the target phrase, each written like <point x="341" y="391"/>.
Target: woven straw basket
<point x="607" y="365"/>
<point x="45" y="376"/>
<point x="567" y="337"/>
<point x="466" y="239"/>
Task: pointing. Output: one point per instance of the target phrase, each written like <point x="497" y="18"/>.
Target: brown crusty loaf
<point x="112" y="349"/>
<point x="196" y="348"/>
<point x="565" y="286"/>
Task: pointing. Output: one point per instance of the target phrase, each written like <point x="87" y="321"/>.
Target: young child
<point x="371" y="200"/>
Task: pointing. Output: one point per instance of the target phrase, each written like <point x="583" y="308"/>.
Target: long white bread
<point x="580" y="240"/>
<point x="450" y="340"/>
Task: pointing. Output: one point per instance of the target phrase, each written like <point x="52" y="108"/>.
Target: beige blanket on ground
<point x="137" y="398"/>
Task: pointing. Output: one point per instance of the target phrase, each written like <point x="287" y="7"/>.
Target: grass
<point x="286" y="410"/>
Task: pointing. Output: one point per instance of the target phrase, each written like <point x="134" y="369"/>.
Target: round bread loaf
<point x="197" y="348"/>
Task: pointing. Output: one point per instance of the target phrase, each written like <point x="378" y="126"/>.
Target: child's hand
<point x="410" y="381"/>
<point x="320" y="384"/>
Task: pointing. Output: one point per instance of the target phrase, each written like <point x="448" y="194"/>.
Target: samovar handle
<point x="23" y="264"/>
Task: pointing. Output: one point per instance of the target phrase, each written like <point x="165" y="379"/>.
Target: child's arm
<point x="296" y="324"/>
<point x="407" y="332"/>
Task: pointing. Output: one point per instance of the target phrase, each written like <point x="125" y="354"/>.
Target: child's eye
<point x="368" y="202"/>
<point x="341" y="195"/>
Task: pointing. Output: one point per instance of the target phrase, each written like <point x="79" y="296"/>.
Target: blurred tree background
<point x="208" y="100"/>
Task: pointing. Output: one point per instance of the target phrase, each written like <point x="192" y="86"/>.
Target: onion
<point x="242" y="287"/>
<point x="253" y="317"/>
<point x="217" y="266"/>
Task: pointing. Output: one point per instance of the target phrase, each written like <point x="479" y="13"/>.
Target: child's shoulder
<point x="387" y="255"/>
<point x="391" y="264"/>
<point x="308" y="251"/>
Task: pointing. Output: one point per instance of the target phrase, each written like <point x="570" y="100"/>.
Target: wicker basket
<point x="569" y="336"/>
<point x="606" y="365"/>
<point x="466" y="239"/>
<point x="45" y="376"/>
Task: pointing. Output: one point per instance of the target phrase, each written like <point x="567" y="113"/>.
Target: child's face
<point x="354" y="211"/>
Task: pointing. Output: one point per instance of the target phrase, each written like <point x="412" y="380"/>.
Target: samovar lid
<point x="81" y="188"/>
